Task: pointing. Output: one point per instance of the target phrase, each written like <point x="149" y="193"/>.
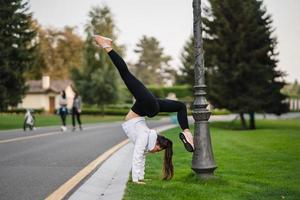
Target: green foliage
<point x="17" y="50"/>
<point x="57" y="53"/>
<point x="157" y="91"/>
<point x="120" y="106"/>
<point x="115" y="110"/>
<point x="181" y="91"/>
<point x="125" y="95"/>
<point x="105" y="111"/>
<point x="153" y="66"/>
<point x="187" y="75"/>
<point x="256" y="164"/>
<point x="23" y="111"/>
<point x="98" y="80"/>
<point x="241" y="58"/>
<point x="217" y="111"/>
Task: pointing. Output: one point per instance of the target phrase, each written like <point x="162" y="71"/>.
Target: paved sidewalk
<point x="109" y="181"/>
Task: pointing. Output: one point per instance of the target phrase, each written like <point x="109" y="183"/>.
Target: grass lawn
<point x="13" y="121"/>
<point x="252" y="165"/>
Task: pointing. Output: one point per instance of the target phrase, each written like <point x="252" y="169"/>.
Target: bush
<point x="120" y="106"/>
<point x="125" y="96"/>
<point x="220" y="112"/>
<point x="157" y="91"/>
<point x="181" y="91"/>
<point x="213" y="112"/>
<point x="107" y="111"/>
<point x="23" y="111"/>
<point x="112" y="111"/>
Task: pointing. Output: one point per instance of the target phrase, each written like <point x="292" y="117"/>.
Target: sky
<point x="171" y="22"/>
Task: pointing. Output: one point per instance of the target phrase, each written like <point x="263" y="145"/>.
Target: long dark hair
<point x="63" y="94"/>
<point x="167" y="145"/>
<point x="76" y="94"/>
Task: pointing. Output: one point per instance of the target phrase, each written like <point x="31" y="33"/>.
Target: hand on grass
<point x="146" y="179"/>
<point x="139" y="182"/>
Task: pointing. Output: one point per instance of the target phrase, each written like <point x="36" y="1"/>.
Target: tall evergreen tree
<point x="153" y="65"/>
<point x="98" y="80"/>
<point x="187" y="75"/>
<point x="16" y="55"/>
<point x="241" y="57"/>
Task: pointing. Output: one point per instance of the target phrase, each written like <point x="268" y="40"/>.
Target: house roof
<point x="56" y="86"/>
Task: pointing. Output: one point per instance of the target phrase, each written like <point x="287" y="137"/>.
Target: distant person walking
<point x="76" y="110"/>
<point x="29" y="120"/>
<point x="63" y="110"/>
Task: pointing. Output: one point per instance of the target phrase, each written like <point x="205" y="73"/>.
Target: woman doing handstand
<point x="135" y="127"/>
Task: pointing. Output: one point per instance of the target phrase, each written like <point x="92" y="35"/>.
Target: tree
<point x="98" y="80"/>
<point x="153" y="66"/>
<point x="58" y="52"/>
<point x="187" y="75"/>
<point x="241" y="59"/>
<point x="35" y="70"/>
<point x="16" y="44"/>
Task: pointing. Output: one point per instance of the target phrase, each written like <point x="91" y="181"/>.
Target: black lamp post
<point x="203" y="160"/>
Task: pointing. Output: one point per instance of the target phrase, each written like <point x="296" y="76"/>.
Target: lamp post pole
<point x="203" y="160"/>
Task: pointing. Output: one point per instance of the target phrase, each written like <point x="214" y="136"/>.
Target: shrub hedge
<point x="181" y="91"/>
<point x="23" y="111"/>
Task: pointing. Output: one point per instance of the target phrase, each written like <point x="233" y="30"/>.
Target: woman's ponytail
<point x="167" y="145"/>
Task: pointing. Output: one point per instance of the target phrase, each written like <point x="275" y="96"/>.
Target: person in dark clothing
<point x="76" y="110"/>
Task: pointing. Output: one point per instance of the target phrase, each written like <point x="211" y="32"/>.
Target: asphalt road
<point x="38" y="162"/>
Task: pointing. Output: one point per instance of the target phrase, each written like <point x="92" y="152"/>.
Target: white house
<point x="294" y="103"/>
<point x="44" y="94"/>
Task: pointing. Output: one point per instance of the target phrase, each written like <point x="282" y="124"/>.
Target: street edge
<point x="66" y="189"/>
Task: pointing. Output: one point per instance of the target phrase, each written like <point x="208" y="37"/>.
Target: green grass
<point x="253" y="165"/>
<point x="14" y="121"/>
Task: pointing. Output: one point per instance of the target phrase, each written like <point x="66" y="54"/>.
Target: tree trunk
<point x="252" y="121"/>
<point x="243" y="121"/>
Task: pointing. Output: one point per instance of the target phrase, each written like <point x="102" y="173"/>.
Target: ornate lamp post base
<point x="203" y="160"/>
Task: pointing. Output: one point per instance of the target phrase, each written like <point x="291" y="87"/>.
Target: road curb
<point x="66" y="189"/>
<point x="109" y="181"/>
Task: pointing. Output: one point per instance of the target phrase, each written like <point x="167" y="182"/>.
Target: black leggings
<point x="146" y="104"/>
<point x="77" y="114"/>
<point x="63" y="117"/>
